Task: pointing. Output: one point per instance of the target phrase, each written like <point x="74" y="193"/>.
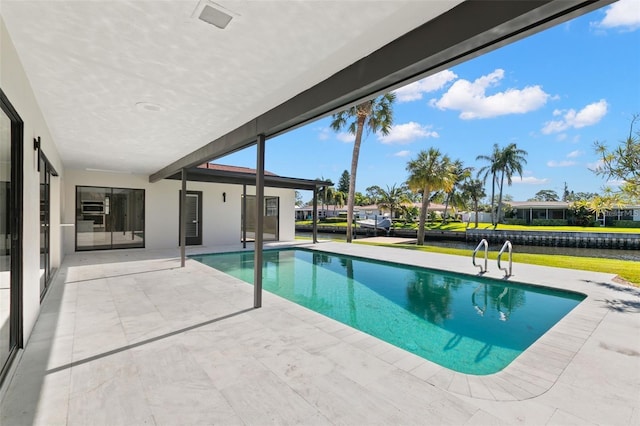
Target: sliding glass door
<point x="45" y="234"/>
<point x="11" y="134"/>
<point x="271" y="219"/>
<point x="109" y="218"/>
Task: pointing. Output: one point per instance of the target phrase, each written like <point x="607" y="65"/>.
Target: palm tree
<point x="323" y="193"/>
<point x="511" y="161"/>
<point x="460" y="173"/>
<point x="375" y="115"/>
<point x="391" y="198"/>
<point x="491" y="169"/>
<point x="473" y="189"/>
<point x="429" y="172"/>
<point x="338" y="199"/>
<point x="502" y="163"/>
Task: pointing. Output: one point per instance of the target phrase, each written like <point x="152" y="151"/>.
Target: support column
<point x="315" y="214"/>
<point x="183" y="219"/>
<point x="244" y="215"/>
<point x="257" y="258"/>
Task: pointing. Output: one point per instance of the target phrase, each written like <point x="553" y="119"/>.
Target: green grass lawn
<point x="625" y="269"/>
<point x="461" y="227"/>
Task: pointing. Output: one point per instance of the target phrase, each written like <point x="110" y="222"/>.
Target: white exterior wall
<point x="220" y="222"/>
<point x="15" y="85"/>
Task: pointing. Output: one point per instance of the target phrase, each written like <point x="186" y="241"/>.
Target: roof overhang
<point x="197" y="174"/>
<point x="464" y="32"/>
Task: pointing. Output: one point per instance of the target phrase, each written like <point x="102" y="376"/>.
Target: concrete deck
<point x="128" y="337"/>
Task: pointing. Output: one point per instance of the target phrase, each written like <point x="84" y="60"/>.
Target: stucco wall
<point x="221" y="220"/>
<point x="16" y="87"/>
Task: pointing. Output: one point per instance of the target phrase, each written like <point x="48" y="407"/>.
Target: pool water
<point x="468" y="324"/>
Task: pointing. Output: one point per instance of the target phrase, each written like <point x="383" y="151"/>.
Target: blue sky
<point x="553" y="94"/>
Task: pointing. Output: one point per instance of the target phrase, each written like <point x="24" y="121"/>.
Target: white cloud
<point x="595" y="165"/>
<point x="407" y="133"/>
<point x="324" y="133"/>
<point x="530" y="180"/>
<point x="575" y="154"/>
<point x="625" y="14"/>
<point x="587" y="116"/>
<point x="471" y="99"/>
<point x="345" y="137"/>
<point x="415" y="90"/>
<point x="403" y="153"/>
<point x="615" y="182"/>
<point x="564" y="163"/>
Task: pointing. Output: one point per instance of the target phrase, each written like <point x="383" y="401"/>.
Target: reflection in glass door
<point x="109" y="218"/>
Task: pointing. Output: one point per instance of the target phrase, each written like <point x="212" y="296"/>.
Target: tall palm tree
<point x="511" y="161"/>
<point x="375" y="115"/>
<point x="429" y="172"/>
<point x="491" y="169"/>
<point x="460" y="173"/>
<point x="473" y="189"/>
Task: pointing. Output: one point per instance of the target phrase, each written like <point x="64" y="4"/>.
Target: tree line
<point x="435" y="176"/>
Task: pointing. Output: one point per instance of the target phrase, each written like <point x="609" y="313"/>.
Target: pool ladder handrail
<point x="508" y="270"/>
<point x="486" y="255"/>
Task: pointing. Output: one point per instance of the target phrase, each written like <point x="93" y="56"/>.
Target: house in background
<point x="559" y="210"/>
<point x="371" y="211"/>
<point x="104" y="104"/>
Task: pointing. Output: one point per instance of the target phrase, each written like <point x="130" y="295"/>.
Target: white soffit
<point x="134" y="85"/>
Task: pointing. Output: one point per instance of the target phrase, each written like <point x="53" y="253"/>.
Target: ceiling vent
<point x="213" y="14"/>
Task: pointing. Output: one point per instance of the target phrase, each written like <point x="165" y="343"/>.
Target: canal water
<point x="567" y="251"/>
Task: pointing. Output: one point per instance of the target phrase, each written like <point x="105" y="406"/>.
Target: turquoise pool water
<point x="468" y="324"/>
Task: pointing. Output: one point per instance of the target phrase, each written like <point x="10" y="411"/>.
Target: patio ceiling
<point x="136" y="85"/>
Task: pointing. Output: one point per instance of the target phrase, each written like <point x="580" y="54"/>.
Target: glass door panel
<point x="271" y="219"/>
<point x="125" y="218"/>
<point x="45" y="259"/>
<point x="5" y="238"/>
<point x="193" y="232"/>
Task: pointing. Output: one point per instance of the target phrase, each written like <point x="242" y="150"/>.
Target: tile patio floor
<point x="127" y="337"/>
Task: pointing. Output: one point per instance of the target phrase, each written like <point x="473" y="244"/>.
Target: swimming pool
<point x="468" y="324"/>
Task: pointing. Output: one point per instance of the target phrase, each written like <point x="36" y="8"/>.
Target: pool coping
<point x="531" y="374"/>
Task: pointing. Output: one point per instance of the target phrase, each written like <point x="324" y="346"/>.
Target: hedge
<point x="626" y="223"/>
<point x="549" y="222"/>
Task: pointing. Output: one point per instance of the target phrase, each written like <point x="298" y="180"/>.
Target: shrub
<point x="335" y="220"/>
<point x="626" y="223"/>
<point x="515" y="221"/>
<point x="549" y="222"/>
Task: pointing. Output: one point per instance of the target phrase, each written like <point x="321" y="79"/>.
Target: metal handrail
<point x="506" y="245"/>
<point x="486" y="255"/>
